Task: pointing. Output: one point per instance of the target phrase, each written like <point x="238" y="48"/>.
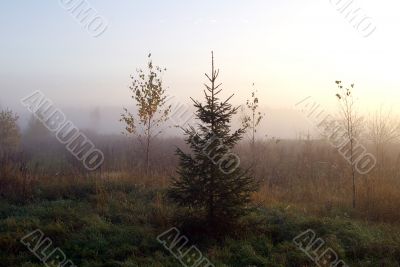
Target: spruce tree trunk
<point x="211" y="205"/>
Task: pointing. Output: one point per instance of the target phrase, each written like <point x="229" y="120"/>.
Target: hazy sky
<point x="289" y="49"/>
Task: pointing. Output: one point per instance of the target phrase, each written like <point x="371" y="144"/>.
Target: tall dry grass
<point x="303" y="174"/>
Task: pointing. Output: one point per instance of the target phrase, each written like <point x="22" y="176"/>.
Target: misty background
<point x="289" y="50"/>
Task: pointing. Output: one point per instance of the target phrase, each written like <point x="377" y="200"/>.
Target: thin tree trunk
<point x="147" y="156"/>
<point x="353" y="173"/>
<point x="354" y="190"/>
<point x="253" y="142"/>
<point x="148" y="148"/>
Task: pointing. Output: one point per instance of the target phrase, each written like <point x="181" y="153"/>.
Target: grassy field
<point x="116" y="223"/>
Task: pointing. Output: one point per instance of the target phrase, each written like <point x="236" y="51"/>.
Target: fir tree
<point x="209" y="180"/>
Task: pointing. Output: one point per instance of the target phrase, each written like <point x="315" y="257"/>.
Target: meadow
<point x="112" y="217"/>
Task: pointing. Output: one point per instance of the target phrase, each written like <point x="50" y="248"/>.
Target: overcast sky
<point x="289" y="49"/>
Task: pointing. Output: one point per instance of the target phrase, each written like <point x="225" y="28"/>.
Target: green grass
<point x="119" y="228"/>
